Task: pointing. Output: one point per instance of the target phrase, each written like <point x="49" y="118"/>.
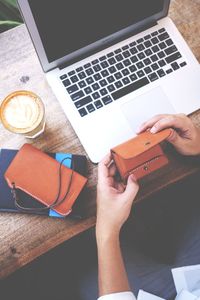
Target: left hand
<point x="114" y="200"/>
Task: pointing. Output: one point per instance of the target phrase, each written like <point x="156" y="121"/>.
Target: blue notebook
<point x="7" y="203"/>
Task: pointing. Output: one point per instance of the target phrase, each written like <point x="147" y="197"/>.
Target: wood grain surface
<point x="22" y="237"/>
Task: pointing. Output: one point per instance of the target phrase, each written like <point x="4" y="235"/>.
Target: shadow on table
<point x="163" y="232"/>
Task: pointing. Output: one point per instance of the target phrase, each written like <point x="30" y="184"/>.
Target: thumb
<point x="131" y="188"/>
<point x="175" y="139"/>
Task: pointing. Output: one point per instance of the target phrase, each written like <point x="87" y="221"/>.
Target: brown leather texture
<point x="37" y="174"/>
<point x="141" y="155"/>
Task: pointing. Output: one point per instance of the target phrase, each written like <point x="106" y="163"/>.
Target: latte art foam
<point x="22" y="112"/>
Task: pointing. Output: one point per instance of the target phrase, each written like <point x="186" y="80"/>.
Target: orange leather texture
<point x="141" y="155"/>
<point x="37" y="174"/>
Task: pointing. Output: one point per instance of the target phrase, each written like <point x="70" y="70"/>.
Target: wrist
<point x="106" y="235"/>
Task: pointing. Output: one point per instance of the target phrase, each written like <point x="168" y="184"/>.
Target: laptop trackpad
<point x="145" y="107"/>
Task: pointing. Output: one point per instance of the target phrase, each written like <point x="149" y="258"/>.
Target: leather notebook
<point x="37" y="174"/>
<point x="141" y="155"/>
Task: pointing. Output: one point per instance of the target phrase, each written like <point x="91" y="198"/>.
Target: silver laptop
<point x="112" y="65"/>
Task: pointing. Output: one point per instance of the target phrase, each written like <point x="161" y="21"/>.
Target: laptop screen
<point x="69" y="25"/>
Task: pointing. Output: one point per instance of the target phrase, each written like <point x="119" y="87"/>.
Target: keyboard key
<point x="154" y="33"/>
<point x="66" y="82"/>
<point x="117" y="51"/>
<point x="161" y="54"/>
<point x="106" y="100"/>
<point x="132" y="69"/>
<point x="162" y="63"/>
<point x="118" y="84"/>
<point x="104" y="64"/>
<point x="153" y="77"/>
<point x="155" y="40"/>
<point x="148" y="52"/>
<point x="133" y="77"/>
<point x="96" y="86"/>
<point x="82" y="112"/>
<point x="102" y="58"/>
<point x="118" y="75"/>
<point x="88" y="90"/>
<point x="183" y="64"/>
<point x="155" y="49"/>
<point x="125" y="72"/>
<point x="103" y="92"/>
<point x="154" y="58"/>
<point x="171" y="50"/>
<point x="126" y="80"/>
<point x="163" y="36"/>
<point x="90" y="108"/>
<point x="63" y="76"/>
<point x="140" y="40"/>
<point x="79" y="69"/>
<point x="97" y="76"/>
<point x="140" y="74"/>
<point x="141" y="55"/>
<point x="97" y="68"/>
<point x="110" y="79"/>
<point x="119" y="66"/>
<point x="104" y="73"/>
<point x="147" y="44"/>
<point x="74" y="79"/>
<point x="95" y="95"/>
<point x="98" y="104"/>
<point x="77" y="95"/>
<point x="161" y="73"/>
<point x="110" y="54"/>
<point x="161" y="30"/>
<point x="169" y="42"/>
<point x="87" y="65"/>
<point x="147" y="61"/>
<point x="169" y="71"/>
<point x="173" y="57"/>
<point x="140" y="65"/>
<point x="132" y="44"/>
<point x="155" y="66"/>
<point x="82" y="84"/>
<point x="134" y="59"/>
<point x="130" y="88"/>
<point x="81" y="75"/>
<point x="127" y="62"/>
<point x="175" y="66"/>
<point x="112" y="69"/>
<point x="126" y="54"/>
<point x="94" y="62"/>
<point x="140" y="47"/>
<point x="90" y="80"/>
<point x="72" y="89"/>
<point x="112" y="61"/>
<point x="147" y="37"/>
<point x="162" y="45"/>
<point x="71" y="73"/>
<point x="83" y="101"/>
<point x="89" y="71"/>
<point x="125" y="47"/>
<point x="119" y="57"/>
<point x="111" y="88"/>
<point x="103" y="82"/>
<point x="133" y="50"/>
<point x="147" y="70"/>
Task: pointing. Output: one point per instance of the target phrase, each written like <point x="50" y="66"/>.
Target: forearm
<point x="112" y="273"/>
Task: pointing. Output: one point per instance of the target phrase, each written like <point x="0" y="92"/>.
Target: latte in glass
<point x="23" y="112"/>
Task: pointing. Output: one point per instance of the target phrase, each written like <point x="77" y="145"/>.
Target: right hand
<point x="185" y="136"/>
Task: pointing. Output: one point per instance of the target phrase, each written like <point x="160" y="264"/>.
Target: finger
<point x="112" y="170"/>
<point x="103" y="167"/>
<point x="131" y="188"/>
<point x="150" y="122"/>
<point x="170" y="121"/>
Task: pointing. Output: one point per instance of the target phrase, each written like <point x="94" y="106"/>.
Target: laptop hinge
<point x="89" y="53"/>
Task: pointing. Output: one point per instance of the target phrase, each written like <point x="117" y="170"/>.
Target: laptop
<point x="112" y="65"/>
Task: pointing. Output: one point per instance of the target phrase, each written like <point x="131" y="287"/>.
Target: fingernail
<point x="153" y="130"/>
<point x="133" y="177"/>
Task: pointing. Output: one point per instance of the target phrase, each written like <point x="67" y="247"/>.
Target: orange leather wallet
<point x="45" y="179"/>
<point x="141" y="155"/>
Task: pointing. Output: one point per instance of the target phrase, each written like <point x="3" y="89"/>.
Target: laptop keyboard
<point x="110" y="77"/>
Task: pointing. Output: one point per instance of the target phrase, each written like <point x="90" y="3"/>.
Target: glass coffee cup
<point x="23" y="112"/>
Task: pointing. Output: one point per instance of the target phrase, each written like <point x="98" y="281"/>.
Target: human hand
<point x="185" y="136"/>
<point x="114" y="200"/>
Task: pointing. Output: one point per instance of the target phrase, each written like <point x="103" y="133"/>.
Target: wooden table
<point x="25" y="237"/>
